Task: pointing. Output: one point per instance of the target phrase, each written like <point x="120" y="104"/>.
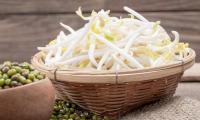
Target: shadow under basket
<point x="115" y="93"/>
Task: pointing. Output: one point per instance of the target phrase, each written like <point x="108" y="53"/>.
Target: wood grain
<point x="21" y="34"/>
<point x="66" y="6"/>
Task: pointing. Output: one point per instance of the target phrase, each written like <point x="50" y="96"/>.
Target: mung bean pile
<point x="13" y="74"/>
<point x="69" y="111"/>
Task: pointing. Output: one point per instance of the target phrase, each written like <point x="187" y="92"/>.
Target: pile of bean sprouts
<point x="111" y="43"/>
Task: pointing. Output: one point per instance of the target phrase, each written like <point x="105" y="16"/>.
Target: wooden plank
<point x="21" y="34"/>
<point x="63" y="6"/>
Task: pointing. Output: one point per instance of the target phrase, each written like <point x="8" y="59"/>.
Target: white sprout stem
<point x="151" y="61"/>
<point x="102" y="61"/>
<point x="118" y="43"/>
<point x="169" y="48"/>
<point x="62" y="37"/>
<point x="130" y="21"/>
<point x="118" y="67"/>
<point x="78" y="58"/>
<point x="48" y="56"/>
<point x="173" y="45"/>
<point x="159" y="61"/>
<point x="68" y="53"/>
<point x="91" y="53"/>
<point x="134" y="36"/>
<point x="72" y="45"/>
<point x="58" y="53"/>
<point x="186" y="51"/>
<point x="79" y="13"/>
<point x="120" y="62"/>
<point x="82" y="36"/>
<point x="108" y="60"/>
<point x="64" y="42"/>
<point x="122" y="52"/>
<point x="59" y="38"/>
<point x="139" y="16"/>
<point x="151" y="36"/>
<point x="67" y="27"/>
<point x="177" y="37"/>
<point x="181" y="55"/>
<point x="69" y="50"/>
<point x="109" y="63"/>
<point x="114" y="66"/>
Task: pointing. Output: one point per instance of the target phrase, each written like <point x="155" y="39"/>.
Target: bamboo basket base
<point x="117" y="99"/>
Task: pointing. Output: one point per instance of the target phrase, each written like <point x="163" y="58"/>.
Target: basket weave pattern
<point x="116" y="99"/>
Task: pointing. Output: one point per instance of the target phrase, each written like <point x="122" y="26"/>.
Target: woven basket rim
<point x="110" y="77"/>
<point x="36" y="61"/>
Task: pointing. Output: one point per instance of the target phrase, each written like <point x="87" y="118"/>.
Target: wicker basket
<point x="115" y="93"/>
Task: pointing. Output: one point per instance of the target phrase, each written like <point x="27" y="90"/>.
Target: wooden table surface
<point x="26" y="24"/>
